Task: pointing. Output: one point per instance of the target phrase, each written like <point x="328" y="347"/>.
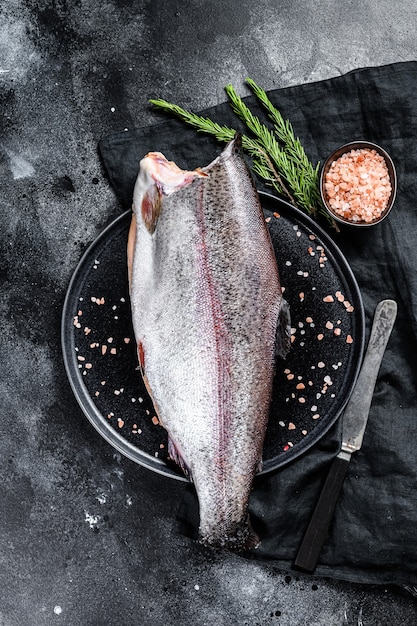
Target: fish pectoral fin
<point x="175" y="455"/>
<point x="151" y="208"/>
<point x="283" y="334"/>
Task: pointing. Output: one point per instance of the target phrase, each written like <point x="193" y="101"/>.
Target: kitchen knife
<point x="355" y="418"/>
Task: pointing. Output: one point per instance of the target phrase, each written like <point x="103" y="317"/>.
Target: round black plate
<point x="311" y="386"/>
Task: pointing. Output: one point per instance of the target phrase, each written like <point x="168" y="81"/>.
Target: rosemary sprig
<point x="262" y="164"/>
<point x="277" y="154"/>
<point x="202" y="124"/>
<point x="269" y="158"/>
<point x="308" y="175"/>
<point x="283" y="159"/>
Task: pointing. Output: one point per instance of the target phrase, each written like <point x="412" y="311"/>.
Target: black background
<point x="88" y="537"/>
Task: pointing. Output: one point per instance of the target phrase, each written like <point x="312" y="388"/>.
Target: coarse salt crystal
<point x="357" y="185"/>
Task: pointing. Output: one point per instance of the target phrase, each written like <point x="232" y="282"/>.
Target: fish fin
<point x="252" y="541"/>
<point x="259" y="466"/>
<point x="141" y="361"/>
<point x="283" y="334"/>
<point x="175" y="455"/>
<point x="151" y="208"/>
<point x="232" y="149"/>
<point x="240" y="538"/>
<point x="234" y="146"/>
<point x="131" y="241"/>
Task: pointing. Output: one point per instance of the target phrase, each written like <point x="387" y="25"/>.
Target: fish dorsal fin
<point x="234" y="146"/>
<point x="283" y="334"/>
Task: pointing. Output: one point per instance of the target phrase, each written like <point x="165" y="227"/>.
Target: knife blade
<point x="355" y="418"/>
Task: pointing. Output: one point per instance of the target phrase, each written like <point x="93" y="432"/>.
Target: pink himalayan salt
<point x="357" y="185"/>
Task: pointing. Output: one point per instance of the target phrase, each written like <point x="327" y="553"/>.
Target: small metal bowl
<point x="357" y="145"/>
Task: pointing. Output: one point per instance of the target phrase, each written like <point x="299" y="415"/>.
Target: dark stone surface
<point x="86" y="536"/>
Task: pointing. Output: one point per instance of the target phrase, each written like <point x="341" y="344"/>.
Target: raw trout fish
<point x="209" y="319"/>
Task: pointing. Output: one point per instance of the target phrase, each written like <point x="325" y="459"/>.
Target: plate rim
<point x="128" y="449"/>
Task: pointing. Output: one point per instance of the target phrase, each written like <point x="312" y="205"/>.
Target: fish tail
<point x="240" y="538"/>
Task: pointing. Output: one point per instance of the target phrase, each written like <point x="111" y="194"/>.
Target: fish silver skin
<point x="206" y="305"/>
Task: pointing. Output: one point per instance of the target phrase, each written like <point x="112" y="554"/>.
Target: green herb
<point x="278" y="157"/>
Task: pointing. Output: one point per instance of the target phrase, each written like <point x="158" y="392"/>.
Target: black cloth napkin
<point x="373" y="536"/>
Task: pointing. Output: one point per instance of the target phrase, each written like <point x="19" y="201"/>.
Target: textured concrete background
<point x="86" y="536"/>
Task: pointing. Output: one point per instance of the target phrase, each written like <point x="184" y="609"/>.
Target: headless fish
<point x="209" y="319"/>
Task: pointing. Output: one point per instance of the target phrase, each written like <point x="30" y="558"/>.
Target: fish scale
<point x="206" y="306"/>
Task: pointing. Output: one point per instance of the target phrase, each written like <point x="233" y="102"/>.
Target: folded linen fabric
<point x="372" y="538"/>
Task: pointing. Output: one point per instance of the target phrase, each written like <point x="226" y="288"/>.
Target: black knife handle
<point x="309" y="551"/>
